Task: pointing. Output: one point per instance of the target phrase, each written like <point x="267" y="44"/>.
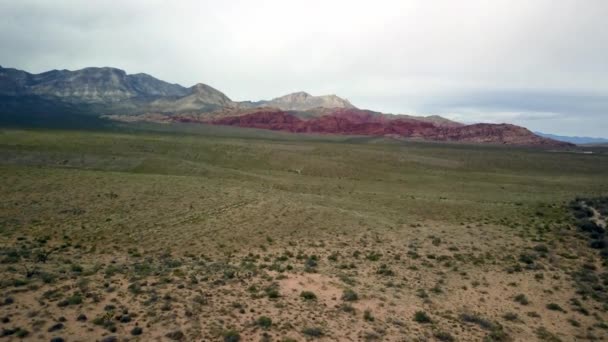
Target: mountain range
<point x="113" y="94"/>
<point x="575" y="140"/>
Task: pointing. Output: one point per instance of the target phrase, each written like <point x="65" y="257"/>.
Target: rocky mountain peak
<point x="304" y="101"/>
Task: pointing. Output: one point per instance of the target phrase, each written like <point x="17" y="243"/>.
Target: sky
<point x="542" y="64"/>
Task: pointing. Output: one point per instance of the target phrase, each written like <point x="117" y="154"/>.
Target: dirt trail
<point x="597" y="217"/>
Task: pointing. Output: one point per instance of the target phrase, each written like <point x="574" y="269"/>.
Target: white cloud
<point x="399" y="56"/>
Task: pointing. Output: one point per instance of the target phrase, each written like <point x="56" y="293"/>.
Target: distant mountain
<point x="106" y="90"/>
<point x="68" y="96"/>
<point x="87" y="85"/>
<point x="304" y="101"/>
<point x="574" y="140"/>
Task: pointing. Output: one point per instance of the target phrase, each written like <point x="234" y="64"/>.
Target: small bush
<point x="541" y="248"/>
<point x="554" y="307"/>
<point x="476" y="319"/>
<point x="312" y="332"/>
<point x="522" y="299"/>
<point x="574" y="322"/>
<point x="176" y="335"/>
<point x="350" y="295"/>
<point x="231" y="336"/>
<point x="527" y="258"/>
<point x="385" y="271"/>
<point x="373" y="256"/>
<point x="444" y="336"/>
<point x="545" y="335"/>
<point x="367" y="315"/>
<point x="272" y="292"/>
<point x="22" y="333"/>
<point x="136" y="331"/>
<point x="264" y="322"/>
<point x="347" y="308"/>
<point x="421" y="317"/>
<point x="308" y="295"/>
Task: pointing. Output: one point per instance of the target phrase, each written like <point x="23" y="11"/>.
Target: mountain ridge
<point x="113" y="93"/>
<point x="574" y="139"/>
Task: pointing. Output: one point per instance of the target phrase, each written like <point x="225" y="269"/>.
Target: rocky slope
<point x="303" y="101"/>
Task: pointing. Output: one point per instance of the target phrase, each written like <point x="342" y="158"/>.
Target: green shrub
<point x="312" y="332"/>
<point x="264" y="322"/>
<point x="308" y="295"/>
<point x="231" y="336"/>
<point x="476" y="319"/>
<point x="522" y="299"/>
<point x="421" y="317"/>
<point x="350" y="295"/>
<point x="444" y="336"/>
<point x="554" y="307"/>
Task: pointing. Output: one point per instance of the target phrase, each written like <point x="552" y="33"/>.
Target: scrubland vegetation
<point x="210" y="235"/>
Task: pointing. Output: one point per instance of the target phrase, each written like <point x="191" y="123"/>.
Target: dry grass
<point x="214" y="238"/>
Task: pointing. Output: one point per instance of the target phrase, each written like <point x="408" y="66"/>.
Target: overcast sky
<point x="541" y="64"/>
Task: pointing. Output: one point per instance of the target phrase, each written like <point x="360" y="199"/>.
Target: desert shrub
<point x="544" y="335"/>
<point x="497" y="335"/>
<point x="444" y="336"/>
<point x="8" y="301"/>
<point x="600" y="243"/>
<point x="231" y="336"/>
<point x="105" y="321"/>
<point x="373" y="256"/>
<point x="347" y="308"/>
<point x="349" y="295"/>
<point x="333" y="256"/>
<point x="312" y="331"/>
<point x="385" y="271"/>
<point x="76" y="268"/>
<point x="176" y="335"/>
<point x="311" y="261"/>
<point x="22" y="333"/>
<point x="7" y="332"/>
<point x="308" y="295"/>
<point x="522" y="299"/>
<point x="554" y="307"/>
<point x="264" y="322"/>
<point x="527" y="258"/>
<point x="541" y="248"/>
<point x="476" y="319"/>
<point x="75" y="299"/>
<point x="421" y="317"/>
<point x="272" y="291"/>
<point x="367" y="315"/>
<point x="422" y="293"/>
<point x="136" y="331"/>
<point x="47" y="278"/>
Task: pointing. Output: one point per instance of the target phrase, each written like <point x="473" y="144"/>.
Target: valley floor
<point x="244" y="235"/>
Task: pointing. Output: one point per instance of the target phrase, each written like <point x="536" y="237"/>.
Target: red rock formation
<point x="351" y="121"/>
<point x="274" y="120"/>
